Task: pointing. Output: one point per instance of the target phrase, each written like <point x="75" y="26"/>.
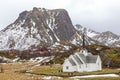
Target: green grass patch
<point x="112" y="55"/>
<point x="11" y="56"/>
<point x="56" y="71"/>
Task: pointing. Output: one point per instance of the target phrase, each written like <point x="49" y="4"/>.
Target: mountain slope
<point x="44" y="27"/>
<point x="105" y="38"/>
<point x="89" y="34"/>
<point x="108" y="38"/>
<point x="37" y="26"/>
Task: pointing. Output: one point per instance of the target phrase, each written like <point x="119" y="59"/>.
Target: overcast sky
<point x="99" y="15"/>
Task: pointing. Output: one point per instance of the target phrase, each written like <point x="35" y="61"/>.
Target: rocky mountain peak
<point x="35" y="27"/>
<point x="45" y="27"/>
<point x="105" y="38"/>
<point x="87" y="31"/>
<point x="109" y="34"/>
<point x="23" y="15"/>
<point x="108" y="38"/>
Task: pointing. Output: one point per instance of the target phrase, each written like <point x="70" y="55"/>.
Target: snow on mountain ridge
<point x="87" y="31"/>
<point x="17" y="37"/>
<point x="107" y="38"/>
<point x="35" y="27"/>
<point x="40" y="25"/>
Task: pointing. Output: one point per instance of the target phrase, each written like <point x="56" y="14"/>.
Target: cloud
<point x="99" y="15"/>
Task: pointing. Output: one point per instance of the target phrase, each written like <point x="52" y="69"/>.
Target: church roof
<point x="91" y="59"/>
<point x="71" y="61"/>
<point x="77" y="59"/>
<point x="81" y="57"/>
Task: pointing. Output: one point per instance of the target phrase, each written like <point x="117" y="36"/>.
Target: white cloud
<point x="100" y="15"/>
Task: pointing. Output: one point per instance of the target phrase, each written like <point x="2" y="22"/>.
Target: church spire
<point x="83" y="39"/>
<point x="83" y="42"/>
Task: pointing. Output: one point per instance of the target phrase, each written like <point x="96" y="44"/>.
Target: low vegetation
<point x="57" y="71"/>
<point x="9" y="72"/>
<point x="10" y="56"/>
<point x="16" y="71"/>
<point x="110" y="56"/>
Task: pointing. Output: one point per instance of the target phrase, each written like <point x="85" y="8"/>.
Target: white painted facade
<point x="82" y="61"/>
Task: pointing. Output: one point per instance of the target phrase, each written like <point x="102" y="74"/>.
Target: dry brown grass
<point x="11" y="74"/>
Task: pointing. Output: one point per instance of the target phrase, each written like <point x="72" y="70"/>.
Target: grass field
<point x="9" y="72"/>
<point x="56" y="71"/>
<point x="13" y="72"/>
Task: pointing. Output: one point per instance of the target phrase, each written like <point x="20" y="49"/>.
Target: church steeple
<point x="83" y="40"/>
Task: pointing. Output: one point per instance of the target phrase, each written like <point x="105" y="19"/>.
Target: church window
<point x="67" y="67"/>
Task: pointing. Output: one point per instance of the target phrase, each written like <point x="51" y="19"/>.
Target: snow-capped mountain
<point x="40" y="25"/>
<point x="89" y="34"/>
<point x="37" y="26"/>
<point x="108" y="38"/>
<point x="105" y="38"/>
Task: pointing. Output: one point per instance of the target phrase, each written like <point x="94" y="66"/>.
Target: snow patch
<point x="102" y="75"/>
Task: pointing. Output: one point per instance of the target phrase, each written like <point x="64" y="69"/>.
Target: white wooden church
<point x="82" y="61"/>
